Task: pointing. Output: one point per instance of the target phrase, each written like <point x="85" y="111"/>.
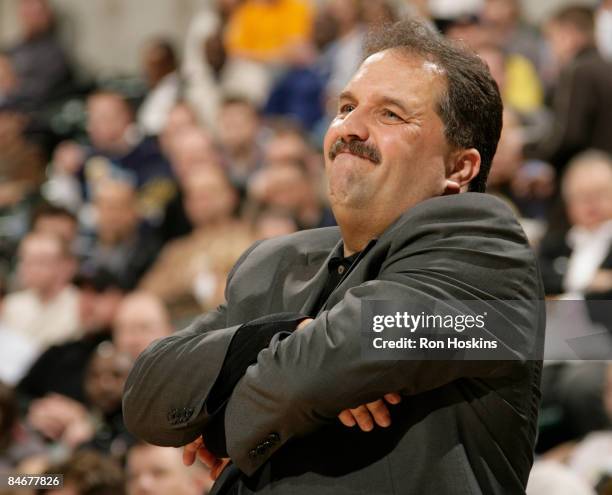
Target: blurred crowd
<point x="124" y="203"/>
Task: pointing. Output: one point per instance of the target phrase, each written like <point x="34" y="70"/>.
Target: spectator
<point x="273" y="222"/>
<point x="141" y="318"/>
<point x="46" y="308"/>
<point x="239" y="126"/>
<point x="40" y="66"/>
<point x="190" y="273"/>
<point x="299" y="94"/>
<point x="191" y="149"/>
<point x="61" y="368"/>
<point x="88" y="473"/>
<point x="289" y="187"/>
<point x="181" y="117"/>
<point x="264" y="30"/>
<point x="579" y="261"/>
<point x="205" y="68"/>
<point x="528" y="186"/>
<point x="516" y="77"/>
<point x="120" y="153"/>
<point x="506" y="28"/>
<point x="160" y="69"/>
<point x="21" y="172"/>
<point x="100" y="426"/>
<point x="55" y="382"/>
<point x="55" y="220"/>
<point x="259" y="36"/>
<point x="153" y="470"/>
<point x="286" y="144"/>
<point x="118" y="243"/>
<point x="104" y="380"/>
<point x="582" y="119"/>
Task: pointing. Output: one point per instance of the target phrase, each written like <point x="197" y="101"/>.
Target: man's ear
<point x="464" y="166"/>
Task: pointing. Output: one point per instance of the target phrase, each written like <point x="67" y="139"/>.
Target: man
<point x="189" y="273"/>
<point x="119" y="243"/>
<point x="578" y="262"/>
<point x="159" y="66"/>
<point x="40" y="66"/>
<point x="582" y="96"/>
<point x="239" y="126"/>
<point x="46" y="310"/>
<point x="417" y="124"/>
<point x="61" y="368"/>
<point x="118" y="152"/>
<point x="140" y="319"/>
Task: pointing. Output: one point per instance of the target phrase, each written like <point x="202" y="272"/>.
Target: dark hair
<point x="471" y="107"/>
<point x="51" y="210"/>
<point x="579" y="16"/>
<point x="91" y="473"/>
<point x="167" y="49"/>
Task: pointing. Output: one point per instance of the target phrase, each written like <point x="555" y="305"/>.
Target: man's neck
<point x="359" y="227"/>
<point x="355" y="240"/>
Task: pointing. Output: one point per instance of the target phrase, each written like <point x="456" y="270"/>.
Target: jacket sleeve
<point x="165" y="394"/>
<point x="303" y="381"/>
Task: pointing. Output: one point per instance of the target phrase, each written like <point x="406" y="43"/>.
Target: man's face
<point x="139" y="321"/>
<point x="40" y="260"/>
<point x="238" y="124"/>
<point x="387" y="114"/>
<point x="116" y="207"/>
<point x="105" y="379"/>
<point x="588" y="195"/>
<point x="107" y="121"/>
<point x="155" y="470"/>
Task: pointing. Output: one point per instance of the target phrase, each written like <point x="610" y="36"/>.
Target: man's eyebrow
<point x="388" y="100"/>
<point x="385" y="100"/>
<point x="346" y="95"/>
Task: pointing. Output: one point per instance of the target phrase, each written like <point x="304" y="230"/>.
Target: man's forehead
<point x="396" y="74"/>
<point x="408" y="60"/>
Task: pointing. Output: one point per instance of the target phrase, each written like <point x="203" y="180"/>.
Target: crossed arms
<point x="304" y="380"/>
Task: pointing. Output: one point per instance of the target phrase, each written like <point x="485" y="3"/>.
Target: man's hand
<point x="198" y="449"/>
<point x="369" y="414"/>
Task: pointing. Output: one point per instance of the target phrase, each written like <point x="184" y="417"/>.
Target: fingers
<point x="380" y="413"/>
<point x="393" y="398"/>
<point x="368" y="415"/>
<point x="346" y="418"/>
<point x="190" y="450"/>
<point x="363" y="418"/>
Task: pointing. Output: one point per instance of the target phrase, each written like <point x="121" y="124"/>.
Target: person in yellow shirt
<point x="265" y="30"/>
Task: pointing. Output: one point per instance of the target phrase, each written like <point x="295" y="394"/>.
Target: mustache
<point x="358" y="148"/>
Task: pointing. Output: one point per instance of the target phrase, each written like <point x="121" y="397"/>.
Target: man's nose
<point x="354" y="126"/>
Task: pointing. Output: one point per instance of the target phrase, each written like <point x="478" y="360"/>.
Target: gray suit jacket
<point x="462" y="427"/>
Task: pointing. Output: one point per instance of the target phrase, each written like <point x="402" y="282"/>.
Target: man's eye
<point x="346" y="108"/>
<point x="388" y="114"/>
